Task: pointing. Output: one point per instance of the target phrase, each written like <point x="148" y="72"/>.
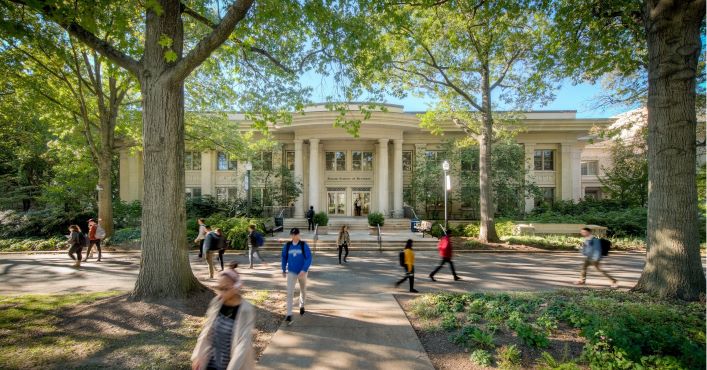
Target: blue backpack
<point x="259" y="240"/>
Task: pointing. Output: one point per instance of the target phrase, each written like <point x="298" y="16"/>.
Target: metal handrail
<point x="380" y="246"/>
<point x="282" y="212"/>
<point x="315" y="238"/>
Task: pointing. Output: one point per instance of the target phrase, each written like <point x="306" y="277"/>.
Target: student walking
<point x="592" y="250"/>
<point x="343" y="241"/>
<point x="95" y="234"/>
<point x="255" y="241"/>
<point x="223" y="244"/>
<point x="296" y="260"/>
<point x="357" y="207"/>
<point x="445" y="252"/>
<point x="310" y="218"/>
<point x="226" y="340"/>
<point x="201" y="236"/>
<point x="76" y="242"/>
<point x="211" y="247"/>
<point x="407" y="260"/>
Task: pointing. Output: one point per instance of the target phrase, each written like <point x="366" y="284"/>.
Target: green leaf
<point x="165" y="41"/>
<point x="170" y="56"/>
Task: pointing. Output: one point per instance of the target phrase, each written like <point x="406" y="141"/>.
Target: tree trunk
<point x="673" y="264"/>
<point x="164" y="269"/>
<point x="105" y="198"/>
<point x="487" y="227"/>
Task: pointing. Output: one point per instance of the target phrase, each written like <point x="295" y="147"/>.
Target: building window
<point x="336" y="161"/>
<point x="548" y="195"/>
<point x="225" y="163"/>
<point x="544" y="160"/>
<point x="226" y="193"/>
<point x="192" y="161"/>
<point x="592" y="193"/>
<point x="362" y="161"/>
<point x="407" y="161"/>
<point x="590" y="168"/>
<point x="263" y="161"/>
<point x="432" y="155"/>
<point x="290" y="160"/>
<point x="193" y="192"/>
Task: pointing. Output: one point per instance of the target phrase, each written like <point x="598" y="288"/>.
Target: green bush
<point x="32" y="244"/>
<point x="450" y="321"/>
<point x="376" y="218"/>
<point x="481" y="358"/>
<point x="437" y="229"/>
<point x="127" y="235"/>
<point x="321" y="219"/>
<point x="504" y="227"/>
<point x="472" y="230"/>
<point x="553" y="242"/>
<point x="126" y="215"/>
<point x="235" y="228"/>
<point x="621" y="220"/>
<point x="508" y="357"/>
<point x="47" y="222"/>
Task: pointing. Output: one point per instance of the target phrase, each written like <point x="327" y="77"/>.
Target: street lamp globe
<point x="445" y="165"/>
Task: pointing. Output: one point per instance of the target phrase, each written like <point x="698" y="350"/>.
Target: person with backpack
<point x="222" y="246"/>
<point x="212" y="243"/>
<point x="296" y="260"/>
<point x="407" y="261"/>
<point x="255" y="241"/>
<point x="593" y="250"/>
<point x="76" y="242"/>
<point x="95" y="234"/>
<point x="445" y="252"/>
<point x="343" y="241"/>
<point x="310" y="218"/>
<point x="201" y="236"/>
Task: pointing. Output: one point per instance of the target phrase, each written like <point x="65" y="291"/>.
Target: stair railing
<point x="315" y="238"/>
<point x="380" y="240"/>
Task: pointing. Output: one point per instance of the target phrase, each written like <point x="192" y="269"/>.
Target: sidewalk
<point x="348" y="331"/>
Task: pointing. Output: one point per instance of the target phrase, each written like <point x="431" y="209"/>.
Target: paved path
<point x="352" y="321"/>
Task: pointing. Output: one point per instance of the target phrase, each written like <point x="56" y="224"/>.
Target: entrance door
<point x="361" y="201"/>
<point x="336" y="202"/>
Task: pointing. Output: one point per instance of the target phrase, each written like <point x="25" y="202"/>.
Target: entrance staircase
<point x="354" y="223"/>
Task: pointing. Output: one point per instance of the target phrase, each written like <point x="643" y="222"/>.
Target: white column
<point x="208" y="167"/>
<point x="398" y="178"/>
<point x="577" y="192"/>
<point x="314" y="174"/>
<point x="299" y="176"/>
<point x="571" y="172"/>
<point x="529" y="167"/>
<point x="383" y="176"/>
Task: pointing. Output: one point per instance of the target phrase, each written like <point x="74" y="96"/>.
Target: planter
<point x="323" y="230"/>
<point x="372" y="230"/>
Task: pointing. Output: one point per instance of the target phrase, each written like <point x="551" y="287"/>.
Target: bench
<point x="270" y="227"/>
<point x="424" y="227"/>
<point x="556" y="229"/>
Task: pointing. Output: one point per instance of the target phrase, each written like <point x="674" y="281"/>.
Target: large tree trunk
<point x="164" y="269"/>
<point x="105" y="198"/>
<point x="673" y="263"/>
<point x="487" y="229"/>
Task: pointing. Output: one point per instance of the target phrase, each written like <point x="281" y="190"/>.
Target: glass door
<point x="336" y="202"/>
<point x="361" y="202"/>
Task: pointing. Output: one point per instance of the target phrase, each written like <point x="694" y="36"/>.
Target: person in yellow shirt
<point x="409" y="266"/>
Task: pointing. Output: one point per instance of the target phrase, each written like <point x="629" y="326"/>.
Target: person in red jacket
<point x="445" y="252"/>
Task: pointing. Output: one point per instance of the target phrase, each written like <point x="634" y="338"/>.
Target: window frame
<point x="290" y="154"/>
<point x="361" y="160"/>
<point x="585" y="167"/>
<point x="411" y="165"/>
<point x="544" y="160"/>
<point x="189" y="158"/>
<point x="231" y="164"/>
<point x="336" y="161"/>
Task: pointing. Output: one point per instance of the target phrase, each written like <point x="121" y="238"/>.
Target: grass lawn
<point x="574" y="329"/>
<point x="105" y="330"/>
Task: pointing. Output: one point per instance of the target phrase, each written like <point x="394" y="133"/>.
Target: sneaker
<point x="457" y="278"/>
<point x="301" y="311"/>
<point x="432" y="278"/>
<point x="288" y="320"/>
<point x="414" y="291"/>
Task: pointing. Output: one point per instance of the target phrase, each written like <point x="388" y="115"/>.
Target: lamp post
<point x="248" y="167"/>
<point x="447" y="186"/>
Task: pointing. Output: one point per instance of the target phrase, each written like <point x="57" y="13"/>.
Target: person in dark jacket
<point x="591" y="249"/>
<point x="253" y="247"/>
<point x="76" y="242"/>
<point x="310" y="218"/>
<point x="445" y="252"/>
<point x="212" y="243"/>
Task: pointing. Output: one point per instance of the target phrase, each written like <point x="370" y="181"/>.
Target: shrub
<point x="321" y="219"/>
<point x="508" y="357"/>
<point x="481" y="358"/>
<point x="32" y="244"/>
<point x="376" y="218"/>
<point x="425" y="307"/>
<point x="553" y="242"/>
<point x="504" y="227"/>
<point x="437" y="229"/>
<point x="235" y="228"/>
<point x="532" y="335"/>
<point x="47" y="222"/>
<point x="127" y="215"/>
<point x="471" y="336"/>
<point x="126" y="235"/>
<point x="450" y="321"/>
<point x="472" y="230"/>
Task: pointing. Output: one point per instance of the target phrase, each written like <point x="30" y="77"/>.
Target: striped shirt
<point x="221" y="336"/>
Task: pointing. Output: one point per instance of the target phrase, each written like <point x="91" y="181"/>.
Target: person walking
<point x="223" y="244"/>
<point x="407" y="260"/>
<point x="591" y="249"/>
<point x="255" y="241"/>
<point x="296" y="260"/>
<point x="95" y="234"/>
<point x="211" y="246"/>
<point x="445" y="252"/>
<point x="201" y="236"/>
<point x="343" y="241"/>
<point x="226" y="340"/>
<point x="76" y="242"/>
<point x="357" y="207"/>
<point x="310" y="218"/>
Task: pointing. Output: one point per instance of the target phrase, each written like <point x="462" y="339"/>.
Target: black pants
<point x="201" y="248"/>
<point x="344" y="247"/>
<point x="441" y="263"/>
<point x="220" y="257"/>
<point x="310" y="224"/>
<point x="75" y="249"/>
<point x="97" y="243"/>
<point x="410" y="276"/>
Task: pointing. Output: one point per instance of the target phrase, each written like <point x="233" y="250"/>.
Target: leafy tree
<point x="660" y="42"/>
<point x="470" y="57"/>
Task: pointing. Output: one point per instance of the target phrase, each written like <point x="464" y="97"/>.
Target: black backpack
<point x="83" y="241"/>
<point x="287" y="252"/>
<point x="605" y="246"/>
<point x="401" y="257"/>
<point x="310" y="214"/>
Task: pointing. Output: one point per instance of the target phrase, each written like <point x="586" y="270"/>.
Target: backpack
<point x="310" y="214"/>
<point x="83" y="240"/>
<point x="259" y="240"/>
<point x="401" y="257"/>
<point x="605" y="246"/>
<point x="100" y="232"/>
<point x="287" y="252"/>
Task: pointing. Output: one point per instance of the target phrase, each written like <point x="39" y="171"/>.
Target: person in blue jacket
<point x="296" y="259"/>
<point x="591" y="249"/>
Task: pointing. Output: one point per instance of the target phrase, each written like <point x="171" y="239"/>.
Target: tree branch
<point x="236" y="12"/>
<point x="507" y="67"/>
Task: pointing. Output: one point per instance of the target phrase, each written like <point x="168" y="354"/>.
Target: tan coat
<point x="343" y="237"/>
<point x="242" y="353"/>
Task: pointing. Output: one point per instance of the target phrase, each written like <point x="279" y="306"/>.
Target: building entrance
<point x="336" y="202"/>
<point x="361" y="199"/>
